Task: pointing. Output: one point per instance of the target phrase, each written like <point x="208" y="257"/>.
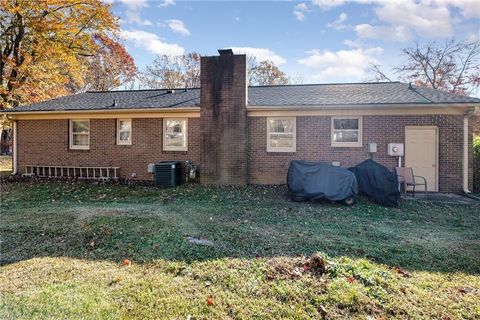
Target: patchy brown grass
<point x="63" y="245"/>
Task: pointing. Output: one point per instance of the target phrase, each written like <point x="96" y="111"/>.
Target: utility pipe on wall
<point x="14" y="164"/>
<point x="466" y="148"/>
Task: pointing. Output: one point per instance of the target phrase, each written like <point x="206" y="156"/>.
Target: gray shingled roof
<point x="290" y="95"/>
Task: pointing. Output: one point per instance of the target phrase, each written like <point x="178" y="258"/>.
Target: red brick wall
<point x="45" y="142"/>
<point x="223" y="118"/>
<point x="313" y="143"/>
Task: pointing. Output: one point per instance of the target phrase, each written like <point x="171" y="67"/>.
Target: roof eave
<point x="364" y="106"/>
<point x="115" y="111"/>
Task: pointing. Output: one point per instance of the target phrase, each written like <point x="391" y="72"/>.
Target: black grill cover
<point x="315" y="180"/>
<point x="377" y="182"/>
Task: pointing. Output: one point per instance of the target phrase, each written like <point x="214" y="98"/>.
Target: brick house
<point x="240" y="135"/>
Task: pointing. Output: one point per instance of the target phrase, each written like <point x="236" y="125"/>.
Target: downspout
<point x="15" y="152"/>
<point x="466" y="149"/>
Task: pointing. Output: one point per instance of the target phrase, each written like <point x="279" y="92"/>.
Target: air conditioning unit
<point x="168" y="173"/>
<point x="395" y="149"/>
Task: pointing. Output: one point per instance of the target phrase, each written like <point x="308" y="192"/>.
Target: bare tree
<point x="184" y="71"/>
<point x="377" y="73"/>
<point x="111" y="67"/>
<point x="296" y="79"/>
<point x="265" y="73"/>
<point x="452" y="66"/>
<point x="173" y="72"/>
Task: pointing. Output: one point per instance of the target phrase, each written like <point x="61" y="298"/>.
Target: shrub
<point x="476" y="163"/>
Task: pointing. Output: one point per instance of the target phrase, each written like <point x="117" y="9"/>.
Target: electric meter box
<point x="151" y="168"/>
<point x="395" y="149"/>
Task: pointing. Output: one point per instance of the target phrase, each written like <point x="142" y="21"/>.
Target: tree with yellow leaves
<point x="44" y="45"/>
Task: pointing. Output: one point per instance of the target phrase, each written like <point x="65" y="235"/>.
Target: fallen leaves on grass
<point x="465" y="290"/>
<point x="210" y="301"/>
<point x="403" y="273"/>
<point x="282" y="268"/>
<point x="316" y="264"/>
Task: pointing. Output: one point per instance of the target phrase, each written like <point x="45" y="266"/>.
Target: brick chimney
<point x="223" y="116"/>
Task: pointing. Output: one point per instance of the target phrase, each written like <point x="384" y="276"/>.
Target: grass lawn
<point x="63" y="247"/>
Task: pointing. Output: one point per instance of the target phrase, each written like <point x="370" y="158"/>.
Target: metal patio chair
<point x="408" y="179"/>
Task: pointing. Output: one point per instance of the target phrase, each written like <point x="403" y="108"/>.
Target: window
<point x="346" y="131"/>
<point x="124" y="131"/>
<point x="175" y="134"/>
<point x="80" y="134"/>
<point x="281" y="134"/>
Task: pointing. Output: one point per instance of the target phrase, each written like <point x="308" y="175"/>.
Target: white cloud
<point x="132" y="13"/>
<point x="426" y="18"/>
<point x="342" y="65"/>
<point x="135" y="4"/>
<point x="403" y="18"/>
<point x="327" y="4"/>
<point x="394" y="33"/>
<point x="300" y="11"/>
<point x="353" y="43"/>
<point x="301" y="6"/>
<point x="299" y="15"/>
<point x="339" y="23"/>
<point x="261" y="54"/>
<point x="133" y="16"/>
<point x="468" y="8"/>
<point x="167" y="3"/>
<point x="152" y="43"/>
<point x="178" y="26"/>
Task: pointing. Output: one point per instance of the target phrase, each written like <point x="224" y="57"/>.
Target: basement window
<point x="175" y="135"/>
<point x="80" y="134"/>
<point x="124" y="131"/>
<point x="281" y="134"/>
<point x="346" y="131"/>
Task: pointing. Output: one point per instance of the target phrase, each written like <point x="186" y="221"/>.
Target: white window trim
<point x="293" y="148"/>
<point x="70" y="129"/>
<point x="120" y="142"/>
<point x="348" y="144"/>
<point x="175" y="148"/>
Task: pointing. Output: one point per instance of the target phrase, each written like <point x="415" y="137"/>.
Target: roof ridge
<point x="443" y="92"/>
<point x="325" y="84"/>
<point x="137" y="90"/>
<point x="414" y="89"/>
<point x="256" y="86"/>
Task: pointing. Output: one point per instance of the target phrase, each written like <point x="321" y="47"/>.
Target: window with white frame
<point x="124" y="131"/>
<point x="281" y="134"/>
<point x="175" y="134"/>
<point x="80" y="134"/>
<point x="346" y="131"/>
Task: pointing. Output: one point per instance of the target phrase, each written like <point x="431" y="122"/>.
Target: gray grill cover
<point x="316" y="180"/>
<point x="377" y="182"/>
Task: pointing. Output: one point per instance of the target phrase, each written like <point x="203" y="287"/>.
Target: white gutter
<point x="466" y="148"/>
<point x="149" y="110"/>
<point x="14" y="148"/>
<point x="362" y="106"/>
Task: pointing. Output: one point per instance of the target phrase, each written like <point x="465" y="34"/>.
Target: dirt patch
<point x="83" y="214"/>
<point x="291" y="268"/>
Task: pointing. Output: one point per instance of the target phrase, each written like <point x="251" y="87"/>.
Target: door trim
<point x="436" y="150"/>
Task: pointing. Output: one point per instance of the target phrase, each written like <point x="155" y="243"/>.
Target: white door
<point x="421" y="150"/>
